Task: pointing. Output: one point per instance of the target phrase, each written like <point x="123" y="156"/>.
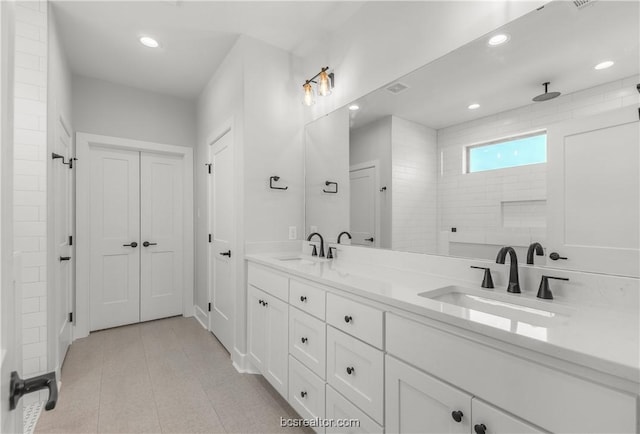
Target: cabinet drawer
<point x="307" y="340"/>
<point x="548" y="398"/>
<point x="355" y="369"/>
<point x="307" y="297"/>
<point x="306" y="391"/>
<point x="497" y="421"/>
<point x="339" y="408"/>
<point x="269" y="281"/>
<point x="357" y="319"/>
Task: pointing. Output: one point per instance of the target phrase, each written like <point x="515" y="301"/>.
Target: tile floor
<point x="168" y="376"/>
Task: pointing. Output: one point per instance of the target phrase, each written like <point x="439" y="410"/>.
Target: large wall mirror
<point x="456" y="158"/>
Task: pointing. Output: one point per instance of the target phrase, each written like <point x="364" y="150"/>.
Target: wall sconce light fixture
<point x="324" y="83"/>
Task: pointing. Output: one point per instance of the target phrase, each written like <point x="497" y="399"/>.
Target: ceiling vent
<point x="397" y="88"/>
<point x="582" y="3"/>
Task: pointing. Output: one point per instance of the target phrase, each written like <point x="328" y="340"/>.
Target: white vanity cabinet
<point x="268" y="326"/>
<point x="419" y="403"/>
<point x="540" y="395"/>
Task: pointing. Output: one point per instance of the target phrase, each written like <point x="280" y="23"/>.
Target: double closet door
<point x="136" y="212"/>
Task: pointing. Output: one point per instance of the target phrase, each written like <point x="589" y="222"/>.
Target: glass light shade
<point x="324" y="84"/>
<point x="309" y="97"/>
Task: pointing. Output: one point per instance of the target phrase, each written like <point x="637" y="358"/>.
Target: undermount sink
<point x="302" y="260"/>
<point x="490" y="307"/>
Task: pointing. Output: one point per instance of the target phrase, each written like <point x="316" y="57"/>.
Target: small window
<point x="511" y="152"/>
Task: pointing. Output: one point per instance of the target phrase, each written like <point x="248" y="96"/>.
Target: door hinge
<point x="70" y="316"/>
<point x="71" y="240"/>
<point x="209" y="166"/>
<point x="209" y="307"/>
<point x="210" y="238"/>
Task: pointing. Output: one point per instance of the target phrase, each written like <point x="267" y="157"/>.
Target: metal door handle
<point x="133" y="244"/>
<point x="65" y="258"/>
<point x="228" y="253"/>
<point x="147" y="244"/>
<point x="19" y="387"/>
<point x="369" y="239"/>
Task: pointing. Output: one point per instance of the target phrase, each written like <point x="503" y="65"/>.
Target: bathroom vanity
<point x="405" y="351"/>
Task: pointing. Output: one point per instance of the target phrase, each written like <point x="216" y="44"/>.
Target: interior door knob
<point x="65" y="258"/>
<point x="133" y="244"/>
<point x="147" y="244"/>
<point x="369" y="239"/>
<point x="480" y="428"/>
<point x="227" y="253"/>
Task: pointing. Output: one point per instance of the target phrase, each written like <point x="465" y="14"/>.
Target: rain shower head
<point x="546" y="95"/>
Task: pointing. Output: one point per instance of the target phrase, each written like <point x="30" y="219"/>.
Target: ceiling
<point x="559" y="43"/>
<point x="100" y="38"/>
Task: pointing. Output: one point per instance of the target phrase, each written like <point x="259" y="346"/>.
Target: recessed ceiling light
<point x="498" y="39"/>
<point x="604" y="65"/>
<point x="473" y="106"/>
<point x="354" y="107"/>
<point x="149" y="42"/>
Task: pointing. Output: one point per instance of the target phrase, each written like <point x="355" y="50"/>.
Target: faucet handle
<point x="544" y="291"/>
<point x="314" y="252"/>
<point x="330" y="254"/>
<point x="487" y="281"/>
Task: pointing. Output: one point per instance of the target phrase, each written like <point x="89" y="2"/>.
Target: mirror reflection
<point x="452" y="158"/>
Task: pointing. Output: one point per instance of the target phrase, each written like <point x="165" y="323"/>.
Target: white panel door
<point x="114" y="225"/>
<point x="593" y="193"/>
<point x="62" y="291"/>
<point x="161" y="274"/>
<point x="10" y="295"/>
<point x="222" y="283"/>
<point x="418" y="403"/>
<point x="363" y="206"/>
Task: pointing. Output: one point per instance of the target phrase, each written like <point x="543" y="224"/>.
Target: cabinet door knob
<point x="303" y="298"/>
<point x="304" y="340"/>
<point x="303" y="394"/>
<point x="351" y="370"/>
<point x="457" y="415"/>
<point x="480" y="428"/>
<point x="348" y="318"/>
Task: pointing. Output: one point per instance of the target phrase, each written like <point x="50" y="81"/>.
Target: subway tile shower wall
<point x="497" y="202"/>
<point x="30" y="175"/>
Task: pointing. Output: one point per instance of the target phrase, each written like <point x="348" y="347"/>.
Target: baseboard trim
<point x="242" y="364"/>
<point x="201" y="316"/>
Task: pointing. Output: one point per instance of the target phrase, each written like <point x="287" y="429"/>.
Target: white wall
<point x="109" y="109"/>
<point x="473" y="202"/>
<point x="254" y="90"/>
<point x="414" y="178"/>
<point x="373" y="142"/>
<point x="30" y="175"/>
<point x="388" y="39"/>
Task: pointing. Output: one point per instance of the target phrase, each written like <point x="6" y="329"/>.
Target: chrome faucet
<point x="537" y="247"/>
<point x="321" y="243"/>
<point x="343" y="233"/>
<point x="514" y="284"/>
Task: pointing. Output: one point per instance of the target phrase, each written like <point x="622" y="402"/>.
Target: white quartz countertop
<point x="601" y="339"/>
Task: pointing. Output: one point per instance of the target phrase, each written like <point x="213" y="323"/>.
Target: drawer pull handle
<point x="351" y="370"/>
<point x="457" y="415"/>
<point x="480" y="428"/>
<point x="304" y="340"/>
<point x="303" y="394"/>
<point x="348" y="318"/>
<point x="303" y="298"/>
